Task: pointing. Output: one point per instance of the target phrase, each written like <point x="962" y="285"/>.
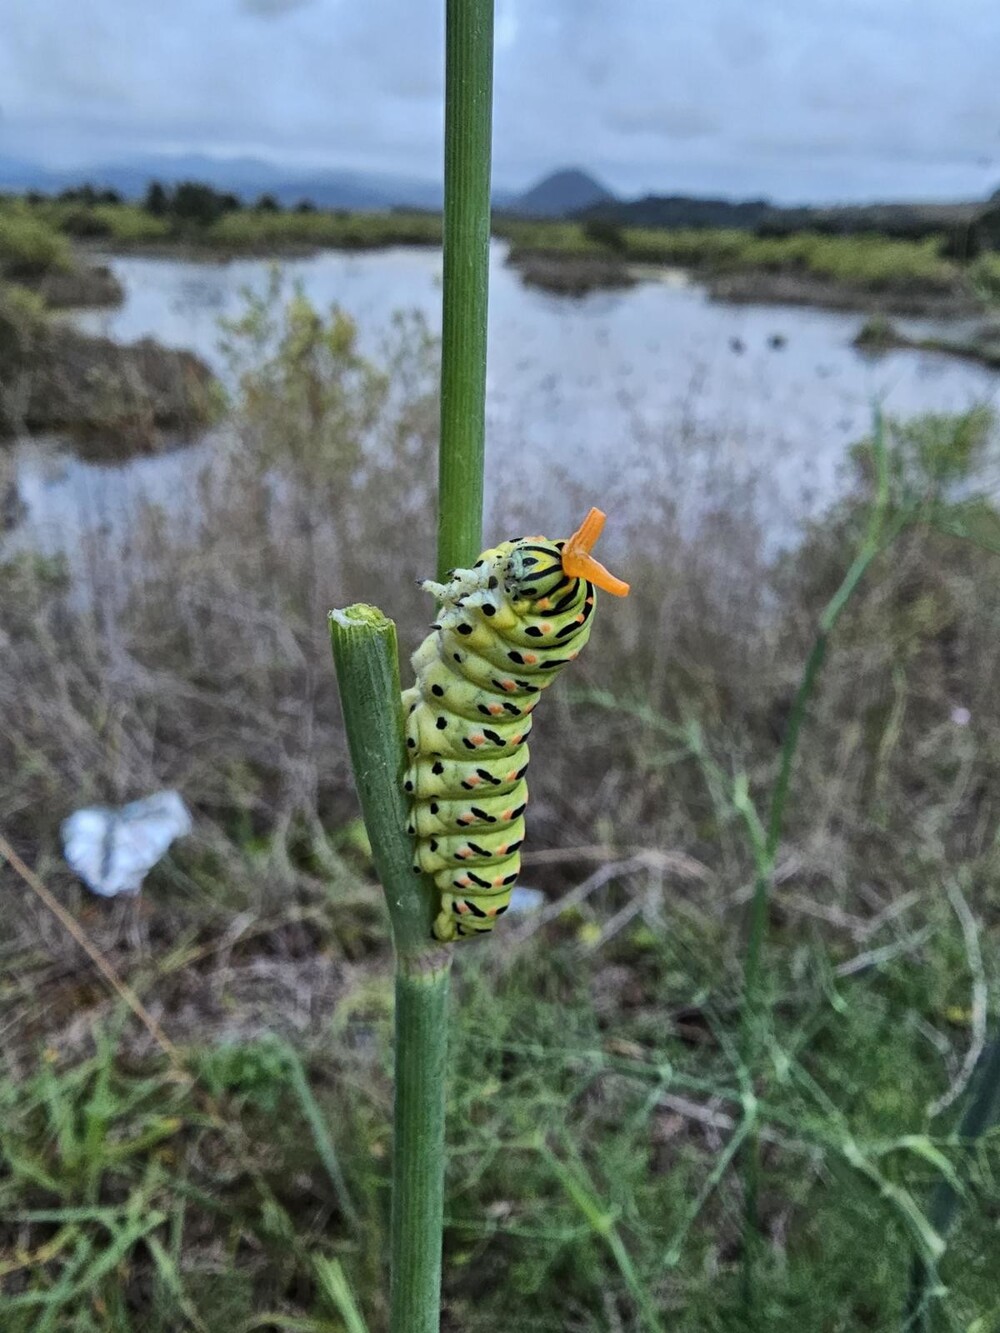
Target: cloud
<point x="272" y="8"/>
<point x="833" y="98"/>
<point x="674" y="121"/>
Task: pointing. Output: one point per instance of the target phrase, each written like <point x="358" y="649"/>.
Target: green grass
<point x="127" y="224"/>
<point x="36" y="232"/>
<point x="21" y="307"/>
<point x="29" y="247"/>
<point x="871" y="262"/>
<point x="583" y="1184"/>
<point x="248" y="230"/>
<point x="867" y="262"/>
<point x="120" y="224"/>
<point x="985" y="275"/>
<point x="105" y="1188"/>
<point x="599" y="1089"/>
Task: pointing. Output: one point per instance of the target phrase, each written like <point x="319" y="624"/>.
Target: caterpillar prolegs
<point x="504" y="631"/>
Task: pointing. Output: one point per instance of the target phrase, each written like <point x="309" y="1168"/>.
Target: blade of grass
<point x="602" y="1224"/>
<point x="172" y="1280"/>
<point x="321" y="1138"/>
<point x="982" y="1113"/>
<point x="337" y="1290"/>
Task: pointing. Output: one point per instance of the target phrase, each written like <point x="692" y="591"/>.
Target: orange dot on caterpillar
<point x="578" y="563"/>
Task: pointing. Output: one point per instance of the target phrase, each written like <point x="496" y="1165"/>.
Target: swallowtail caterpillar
<point x="505" y="630"/>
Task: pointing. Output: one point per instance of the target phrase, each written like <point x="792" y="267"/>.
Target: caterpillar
<point x="505" y="629"/>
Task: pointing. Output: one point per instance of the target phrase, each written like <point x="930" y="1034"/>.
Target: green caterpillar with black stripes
<point x="505" y="629"/>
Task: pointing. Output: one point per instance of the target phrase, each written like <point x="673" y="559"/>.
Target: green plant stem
<point x="364" y="650"/>
<point x="418" y="1147"/>
<point x="365" y="655"/>
<point x="468" y="121"/>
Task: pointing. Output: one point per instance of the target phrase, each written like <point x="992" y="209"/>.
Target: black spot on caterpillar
<point x="519" y="599"/>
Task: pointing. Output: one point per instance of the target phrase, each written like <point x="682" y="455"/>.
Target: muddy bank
<point x="763" y="288"/>
<point x="114" y="398"/>
<point x="573" y="275"/>
<point x="12" y="506"/>
<point x="85" y="286"/>
<point x="982" y="344"/>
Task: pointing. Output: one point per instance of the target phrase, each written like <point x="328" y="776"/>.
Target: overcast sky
<point x="795" y="99"/>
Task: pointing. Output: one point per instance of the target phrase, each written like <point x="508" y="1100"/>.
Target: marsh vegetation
<point x="54" y="378"/>
<point x="925" y="270"/>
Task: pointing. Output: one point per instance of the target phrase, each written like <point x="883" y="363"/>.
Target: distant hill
<point x="567" y="193"/>
<point x="902" y="220"/>
<point x="247" y="177"/>
<point x="677" y="211"/>
<point x="561" y="194"/>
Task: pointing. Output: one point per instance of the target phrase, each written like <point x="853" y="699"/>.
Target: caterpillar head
<point x="535" y="567"/>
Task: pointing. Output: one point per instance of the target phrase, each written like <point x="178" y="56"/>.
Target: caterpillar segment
<point x="505" y="629"/>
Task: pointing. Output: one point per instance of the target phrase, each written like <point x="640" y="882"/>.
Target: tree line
<point x="185" y="201"/>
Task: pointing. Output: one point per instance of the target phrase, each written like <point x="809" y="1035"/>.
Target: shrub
<point x="157" y="201"/>
<point x="194" y="202"/>
<point x="23" y="324"/>
<point x="127" y="223"/>
<point x="29" y="247"/>
<point x="988" y="227"/>
<point x="605" y="233"/>
<point x="985" y="276"/>
<point x="85" y="223"/>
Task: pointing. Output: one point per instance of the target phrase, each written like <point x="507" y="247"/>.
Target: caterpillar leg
<point x="445" y="927"/>
<point x="468" y="914"/>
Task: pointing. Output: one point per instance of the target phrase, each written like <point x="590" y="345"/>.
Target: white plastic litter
<point x="112" y="850"/>
<point x="524" y="900"/>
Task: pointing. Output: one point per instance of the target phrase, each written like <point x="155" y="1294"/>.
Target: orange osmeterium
<point x="578" y="563"/>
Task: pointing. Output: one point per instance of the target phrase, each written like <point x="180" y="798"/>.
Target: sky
<point x="797" y="100"/>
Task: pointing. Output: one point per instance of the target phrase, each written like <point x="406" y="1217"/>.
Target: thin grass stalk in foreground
<point x="982" y="1113"/>
<point x="602" y="1224"/>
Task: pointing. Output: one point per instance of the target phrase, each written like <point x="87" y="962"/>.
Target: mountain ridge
<point x="569" y="192"/>
<point x="562" y="193"/>
<point x="248" y="177"/>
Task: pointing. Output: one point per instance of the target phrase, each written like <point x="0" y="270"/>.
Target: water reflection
<point x="637" y="395"/>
